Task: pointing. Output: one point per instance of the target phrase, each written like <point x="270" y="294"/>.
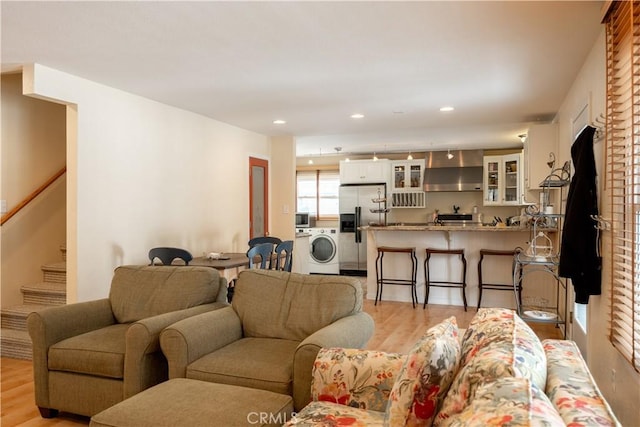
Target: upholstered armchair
<point x="91" y="355"/>
<point x="270" y="335"/>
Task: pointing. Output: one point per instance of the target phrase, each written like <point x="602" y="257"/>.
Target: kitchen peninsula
<point x="471" y="238"/>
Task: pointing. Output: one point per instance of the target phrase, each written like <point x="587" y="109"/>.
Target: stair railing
<point x="6" y="217"/>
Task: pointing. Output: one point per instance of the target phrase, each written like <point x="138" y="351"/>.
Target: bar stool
<point x="498" y="286"/>
<point x="381" y="280"/>
<point x="445" y="283"/>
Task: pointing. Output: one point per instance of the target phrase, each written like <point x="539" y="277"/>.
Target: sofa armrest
<point x="190" y="339"/>
<point x="352" y="332"/>
<point x="357" y="378"/>
<point x="143" y="339"/>
<point x="54" y="324"/>
<point x="570" y="385"/>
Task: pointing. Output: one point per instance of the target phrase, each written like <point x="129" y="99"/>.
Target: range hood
<point x="463" y="172"/>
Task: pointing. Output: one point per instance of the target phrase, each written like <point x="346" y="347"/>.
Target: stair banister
<point x="32" y="196"/>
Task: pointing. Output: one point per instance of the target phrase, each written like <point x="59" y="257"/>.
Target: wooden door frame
<point x="254" y="161"/>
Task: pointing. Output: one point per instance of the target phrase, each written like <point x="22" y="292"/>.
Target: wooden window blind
<point x="623" y="174"/>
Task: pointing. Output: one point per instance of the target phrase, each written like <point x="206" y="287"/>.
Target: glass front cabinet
<point x="503" y="180"/>
<point x="406" y="184"/>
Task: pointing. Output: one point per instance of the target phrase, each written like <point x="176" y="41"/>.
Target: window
<point x="317" y="193"/>
<point x="623" y="175"/>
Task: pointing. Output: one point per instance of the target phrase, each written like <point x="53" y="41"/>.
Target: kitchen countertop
<point x="466" y="227"/>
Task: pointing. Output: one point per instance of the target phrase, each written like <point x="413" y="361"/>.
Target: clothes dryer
<point x="323" y="251"/>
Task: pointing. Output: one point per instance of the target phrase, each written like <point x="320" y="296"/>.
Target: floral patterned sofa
<point x="499" y="373"/>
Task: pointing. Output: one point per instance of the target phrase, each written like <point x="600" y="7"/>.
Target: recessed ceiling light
<point x="279" y="122"/>
<point x="357" y="116"/>
<point x="446" y="109"/>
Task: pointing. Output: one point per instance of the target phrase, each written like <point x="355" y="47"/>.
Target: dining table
<point x="228" y="264"/>
<point x="225" y="261"/>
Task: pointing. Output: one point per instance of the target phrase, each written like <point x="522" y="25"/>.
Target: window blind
<point x="623" y="174"/>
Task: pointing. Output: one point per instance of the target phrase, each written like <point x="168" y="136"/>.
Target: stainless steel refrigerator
<point x="359" y="205"/>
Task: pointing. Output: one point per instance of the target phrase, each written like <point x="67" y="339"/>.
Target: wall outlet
<point x="3" y="207"/>
<point x="285" y="209"/>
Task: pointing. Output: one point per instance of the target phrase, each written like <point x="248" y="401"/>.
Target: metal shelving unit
<point x="540" y="257"/>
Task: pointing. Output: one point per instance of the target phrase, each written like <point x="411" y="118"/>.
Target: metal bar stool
<point x="445" y="283"/>
<point x="498" y="286"/>
<point x="381" y="280"/>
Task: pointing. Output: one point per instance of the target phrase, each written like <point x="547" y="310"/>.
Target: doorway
<point x="258" y="197"/>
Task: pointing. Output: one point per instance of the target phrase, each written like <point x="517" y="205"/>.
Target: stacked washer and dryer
<point x="323" y="250"/>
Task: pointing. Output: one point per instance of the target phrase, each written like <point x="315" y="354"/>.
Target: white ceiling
<point x="502" y="65"/>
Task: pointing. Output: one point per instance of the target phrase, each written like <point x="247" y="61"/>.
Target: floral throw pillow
<point x="425" y="377"/>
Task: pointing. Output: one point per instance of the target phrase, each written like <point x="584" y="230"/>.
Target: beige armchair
<point x="270" y="335"/>
<point x="91" y="355"/>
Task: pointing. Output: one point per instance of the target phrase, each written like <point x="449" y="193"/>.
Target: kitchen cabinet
<point x="407" y="175"/>
<point x="503" y="180"/>
<point x="364" y="171"/>
<point x="541" y="140"/>
<point x="406" y="184"/>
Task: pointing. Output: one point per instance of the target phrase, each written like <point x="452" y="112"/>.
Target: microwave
<point x="303" y="220"/>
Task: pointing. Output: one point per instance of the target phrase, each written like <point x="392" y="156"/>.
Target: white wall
<point x="623" y="392"/>
<point x="282" y="172"/>
<point x="33" y="150"/>
<point x="144" y="174"/>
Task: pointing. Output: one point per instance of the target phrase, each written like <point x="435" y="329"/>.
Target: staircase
<point x="14" y="338"/>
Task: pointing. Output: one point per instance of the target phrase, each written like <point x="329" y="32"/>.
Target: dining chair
<point x="264" y="239"/>
<point x="167" y="255"/>
<point x="262" y="250"/>
<point x="284" y="255"/>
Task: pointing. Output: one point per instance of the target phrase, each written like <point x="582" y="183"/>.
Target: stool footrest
<point x="396" y="282"/>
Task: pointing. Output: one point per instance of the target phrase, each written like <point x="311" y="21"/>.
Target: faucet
<point x="456" y="209"/>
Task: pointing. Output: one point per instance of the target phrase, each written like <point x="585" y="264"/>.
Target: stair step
<point x="55" y="272"/>
<point x="16" y="317"/>
<point x="15" y="344"/>
<point x="45" y="293"/>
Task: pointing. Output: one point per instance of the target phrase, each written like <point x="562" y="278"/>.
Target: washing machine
<point x="323" y="251"/>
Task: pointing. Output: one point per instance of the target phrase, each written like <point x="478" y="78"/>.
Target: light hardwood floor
<point x="398" y="326"/>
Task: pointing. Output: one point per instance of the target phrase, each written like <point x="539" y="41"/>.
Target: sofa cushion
<point x="293" y="306"/>
<point x="96" y="353"/>
<point x="579" y="401"/>
<point x="320" y="414"/>
<point x="358" y="378"/>
<point x="515" y="402"/>
<point x="497" y="344"/>
<point x="425" y="377"/>
<point x="139" y="291"/>
<point x="261" y="363"/>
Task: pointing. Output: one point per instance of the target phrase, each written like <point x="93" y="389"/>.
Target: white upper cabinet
<point x="407" y="175"/>
<point x="364" y="171"/>
<point x="503" y="180"/>
<point x="406" y="184"/>
<point x="541" y="140"/>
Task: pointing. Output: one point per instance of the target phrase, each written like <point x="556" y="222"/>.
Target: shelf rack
<point x="545" y="261"/>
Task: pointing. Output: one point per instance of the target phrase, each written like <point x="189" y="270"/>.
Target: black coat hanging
<point x="579" y="255"/>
